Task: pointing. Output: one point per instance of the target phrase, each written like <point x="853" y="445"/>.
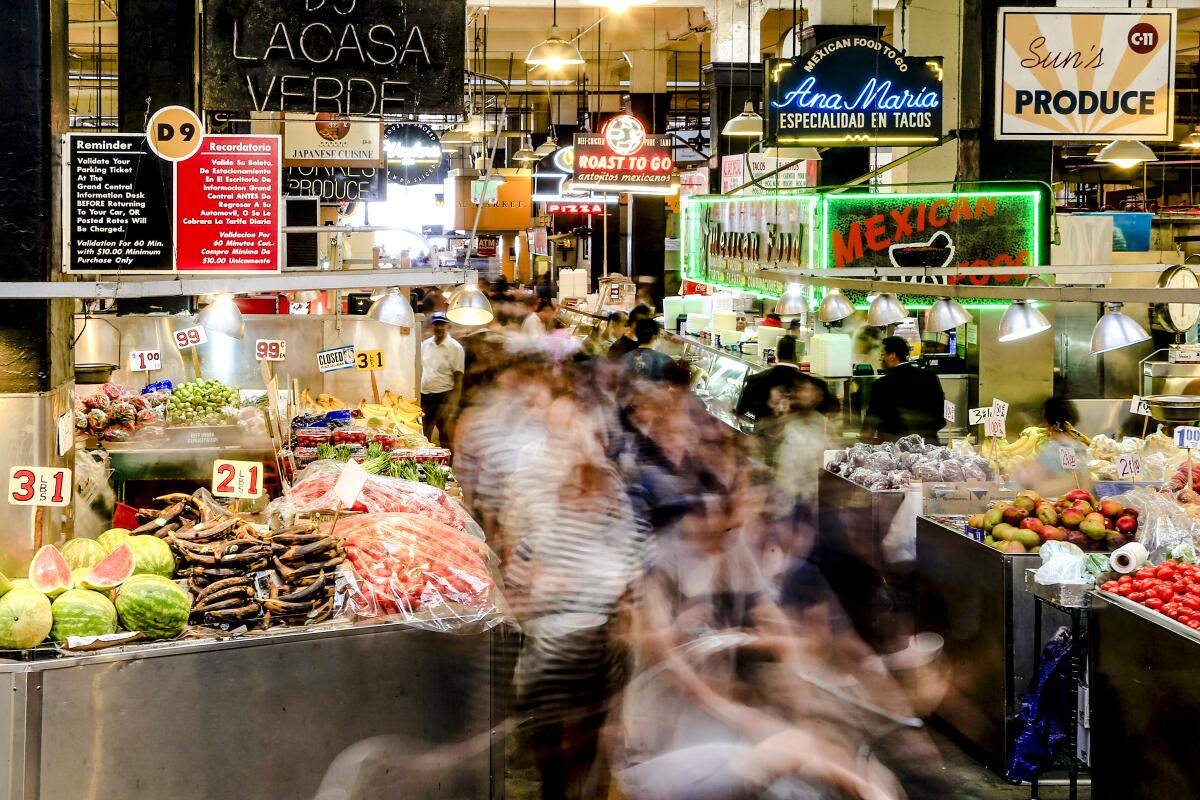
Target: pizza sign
<point x="586" y="209"/>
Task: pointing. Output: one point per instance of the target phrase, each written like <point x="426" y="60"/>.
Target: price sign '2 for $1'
<point x="237" y="479"/>
<point x="39" y="486"/>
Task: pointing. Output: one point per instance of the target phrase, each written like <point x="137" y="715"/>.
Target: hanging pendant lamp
<point x="1125" y="153"/>
<point x="468" y="305"/>
<point x="792" y="302"/>
<point x="222" y="316"/>
<point x="554" y="52"/>
<point x="1116" y="330"/>
<point x="886" y="310"/>
<point x="1021" y="321"/>
<point x="945" y="315"/>
<point x="393" y="309"/>
<point x="749" y="123"/>
<point x="835" y="307"/>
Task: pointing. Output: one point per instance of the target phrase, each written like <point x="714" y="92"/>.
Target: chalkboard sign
<point x="118" y="198"/>
<point x="335" y="184"/>
<point x="364" y="58"/>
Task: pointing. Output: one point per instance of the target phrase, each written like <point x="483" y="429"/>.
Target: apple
<point x="1014" y="514"/>
<point x="1031" y="524"/>
<point x="1131" y="512"/>
<point x="1127" y="524"/>
<point x="1071" y="517"/>
<point x="1110" y="507"/>
<point x="1108" y="523"/>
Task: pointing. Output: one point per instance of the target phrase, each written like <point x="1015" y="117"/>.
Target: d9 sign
<point x="240" y="479"/>
<point x="190" y="337"/>
<point x="144" y="360"/>
<point x="270" y="350"/>
<point x="39" y="486"/>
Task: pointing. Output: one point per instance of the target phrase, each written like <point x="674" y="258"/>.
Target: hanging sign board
<point x="623" y="157"/>
<point x="969" y="229"/>
<point x="1085" y="75"/>
<point x="364" y="58"/>
<point x="175" y="133"/>
<point x="336" y="184"/>
<point x="118" y="200"/>
<point x="327" y="140"/>
<point x="228" y="207"/>
<point x="740" y="170"/>
<point x="550" y="178"/>
<point x="413" y="153"/>
<point x="854" y="91"/>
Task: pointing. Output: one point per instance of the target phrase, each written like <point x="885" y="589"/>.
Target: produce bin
<point x="1144" y="701"/>
<point x="260" y="717"/>
<point x="975" y="597"/>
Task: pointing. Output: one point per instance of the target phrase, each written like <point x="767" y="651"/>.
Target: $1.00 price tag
<point x="994" y="427"/>
<point x="270" y="350"/>
<point x="1129" y="467"/>
<point x="1066" y="457"/>
<point x="240" y="479"/>
<point x="1187" y="438"/>
<point x="190" y="337"/>
<point x="368" y="360"/>
<point x="39" y="486"/>
<point x="144" y="360"/>
<point x="1138" y="405"/>
<point x="949" y="412"/>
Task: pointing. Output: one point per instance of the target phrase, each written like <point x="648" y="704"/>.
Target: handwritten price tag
<point x="335" y="358"/>
<point x="978" y="416"/>
<point x="144" y="360"/>
<point x="994" y="427"/>
<point x="1066" y="457"/>
<point x="240" y="479"/>
<point x="39" y="486"/>
<point x="1129" y="468"/>
<point x="1139" y="406"/>
<point x="949" y="411"/>
<point x="190" y="337"/>
<point x="1187" y="438"/>
<point x="368" y="360"/>
<point x="270" y="350"/>
<point x="1000" y="409"/>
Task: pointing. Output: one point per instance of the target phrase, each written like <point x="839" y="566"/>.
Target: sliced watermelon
<point x="114" y="570"/>
<point x="5" y="584"/>
<point x="49" y="572"/>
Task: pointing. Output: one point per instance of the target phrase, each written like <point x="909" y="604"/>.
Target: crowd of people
<point x="678" y="638"/>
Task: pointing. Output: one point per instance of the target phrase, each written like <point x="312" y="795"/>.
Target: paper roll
<point x="1128" y="557"/>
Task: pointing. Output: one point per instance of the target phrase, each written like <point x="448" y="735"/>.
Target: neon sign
<point x="854" y="90"/>
<point x="586" y="209"/>
<point x="624" y="158"/>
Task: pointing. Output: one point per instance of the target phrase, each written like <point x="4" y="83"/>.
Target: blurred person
<point x="628" y="341"/>
<point x="541" y="319"/>
<point x="772" y="321"/>
<point x="1045" y="471"/>
<point x="907" y="399"/>
<point x="433" y="300"/>
<point x="615" y="327"/>
<point x="786" y="375"/>
<point x="442" y="366"/>
<point x="546" y="288"/>
<point x="644" y="361"/>
<point x="867" y="344"/>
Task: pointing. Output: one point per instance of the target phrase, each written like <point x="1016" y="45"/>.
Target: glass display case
<point x="718" y="376"/>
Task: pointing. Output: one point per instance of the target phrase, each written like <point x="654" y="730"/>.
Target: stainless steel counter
<point x="260" y="718"/>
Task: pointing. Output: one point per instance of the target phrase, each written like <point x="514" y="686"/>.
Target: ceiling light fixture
<point x="748" y="124"/>
<point x="1116" y="330"/>
<point x="554" y="52"/>
<point x="526" y="153"/>
<point x="945" y="315"/>
<point x="835" y="307"/>
<point x="393" y="309"/>
<point x="1021" y="321"/>
<point x="792" y="302"/>
<point x="468" y="305"/>
<point x="546" y="148"/>
<point x="886" y="310"/>
<point x="222" y="316"/>
<point x="1125" y="153"/>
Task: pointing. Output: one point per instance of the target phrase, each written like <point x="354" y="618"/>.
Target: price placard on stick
<point x="368" y="360"/>
<point x="39" y="486"/>
<point x="1140" y="406"/>
<point x="1187" y="438"/>
<point x="190" y="337"/>
<point x="994" y="427"/>
<point x="238" y="479"/>
<point x="949" y="411"/>
<point x="1066" y="457"/>
<point x="978" y="416"/>
<point x="270" y="350"/>
<point x="1129" y="468"/>
<point x="144" y="360"/>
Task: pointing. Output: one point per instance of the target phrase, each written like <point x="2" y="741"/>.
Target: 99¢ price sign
<point x="39" y="486"/>
<point x="190" y="337"/>
<point x="270" y="350"/>
<point x="144" y="360"/>
<point x="238" y="479"/>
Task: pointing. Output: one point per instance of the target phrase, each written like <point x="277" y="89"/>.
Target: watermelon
<point x="25" y="619"/>
<point x="6" y="585"/>
<point x="114" y="570"/>
<point x="111" y="538"/>
<point x="79" y="612"/>
<point x="49" y="572"/>
<point x="83" y="553"/>
<point x="77" y="576"/>
<point x="156" y="606"/>
<point x="151" y="556"/>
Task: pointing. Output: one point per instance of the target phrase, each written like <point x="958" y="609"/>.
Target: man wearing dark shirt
<point x="645" y="361"/>
<point x="907" y="399"/>
<point x="628" y="341"/>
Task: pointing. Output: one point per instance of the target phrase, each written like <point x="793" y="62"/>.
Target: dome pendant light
<point x="835" y="307"/>
<point x="886" y="310"/>
<point x="792" y="303"/>
<point x="468" y="305"/>
<point x="1125" y="153"/>
<point x="393" y="309"/>
<point x="748" y="124"/>
<point x="946" y="315"/>
<point x="1116" y="330"/>
<point x="222" y="316"/>
<point x="554" y="52"/>
<point x="1021" y="321"/>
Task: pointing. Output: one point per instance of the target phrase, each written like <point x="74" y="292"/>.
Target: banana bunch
<point x="394" y="410"/>
<point x="1005" y="454"/>
<point x="322" y="402"/>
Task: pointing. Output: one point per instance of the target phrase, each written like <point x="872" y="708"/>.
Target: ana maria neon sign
<point x="854" y="91"/>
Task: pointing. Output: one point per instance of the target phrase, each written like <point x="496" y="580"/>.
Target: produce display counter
<point x="1143" y="700"/>
<point x="974" y="596"/>
<point x="265" y="717"/>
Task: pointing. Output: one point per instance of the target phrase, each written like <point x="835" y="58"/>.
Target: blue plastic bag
<point x="1046" y="711"/>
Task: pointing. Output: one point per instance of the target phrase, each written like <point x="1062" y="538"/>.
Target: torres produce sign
<point x="854" y="90"/>
<point x="364" y="58"/>
<point x="1085" y="74"/>
<point x="623" y="157"/>
<point x="965" y="229"/>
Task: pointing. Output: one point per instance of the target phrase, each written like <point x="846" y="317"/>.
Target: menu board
<point x="228" y="213"/>
<point x="118" y="197"/>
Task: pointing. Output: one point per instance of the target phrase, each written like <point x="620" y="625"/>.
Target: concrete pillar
<point x="648" y="70"/>
<point x="729" y="36"/>
<point x="931" y="28"/>
<point x="161" y="33"/>
<point x="841" y="12"/>
<point x="735" y="74"/>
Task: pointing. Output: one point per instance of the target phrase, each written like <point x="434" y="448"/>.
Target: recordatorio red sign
<point x="228" y="217"/>
<point x="623" y="157"/>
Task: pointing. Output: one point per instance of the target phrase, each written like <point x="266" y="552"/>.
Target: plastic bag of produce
<point x="1163" y="524"/>
<point x="312" y="490"/>
<point x="859" y="453"/>
<point x="952" y="471"/>
<point x="927" y="470"/>
<point x="431" y="575"/>
<point x="913" y="443"/>
<point x="880" y="462"/>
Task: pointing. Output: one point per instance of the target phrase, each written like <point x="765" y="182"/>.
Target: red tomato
<point x="1125" y="579"/>
<point x="1137" y="597"/>
<point x="1153" y="603"/>
<point x="1184" y="617"/>
<point x="1143" y="584"/>
<point x="1144" y="572"/>
<point x="1172" y="610"/>
<point x="1165" y="574"/>
<point x="1193" y="623"/>
<point x="1108" y="586"/>
<point x="1124" y="589"/>
<point x="1191" y="603"/>
<point x="1164" y="593"/>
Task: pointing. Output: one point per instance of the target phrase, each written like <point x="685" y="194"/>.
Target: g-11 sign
<point x="854" y="90"/>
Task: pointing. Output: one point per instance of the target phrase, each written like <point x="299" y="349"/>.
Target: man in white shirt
<point x="442" y="365"/>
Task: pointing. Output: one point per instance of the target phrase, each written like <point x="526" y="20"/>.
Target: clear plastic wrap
<point x="880" y="462"/>
<point x="952" y="471"/>
<point x="1163" y="524"/>
<point x="927" y="470"/>
<point x="432" y="575"/>
<point x="313" y="491"/>
<point x="913" y="443"/>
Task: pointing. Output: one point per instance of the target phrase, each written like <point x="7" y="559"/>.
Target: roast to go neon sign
<point x="875" y="95"/>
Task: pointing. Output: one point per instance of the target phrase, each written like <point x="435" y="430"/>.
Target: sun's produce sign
<point x="964" y="229"/>
<point x="854" y="90"/>
<point x="363" y="58"/>
<point x="623" y="157"/>
<point x="1085" y="74"/>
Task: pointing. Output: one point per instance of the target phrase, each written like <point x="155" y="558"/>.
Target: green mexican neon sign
<point x="727" y="241"/>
